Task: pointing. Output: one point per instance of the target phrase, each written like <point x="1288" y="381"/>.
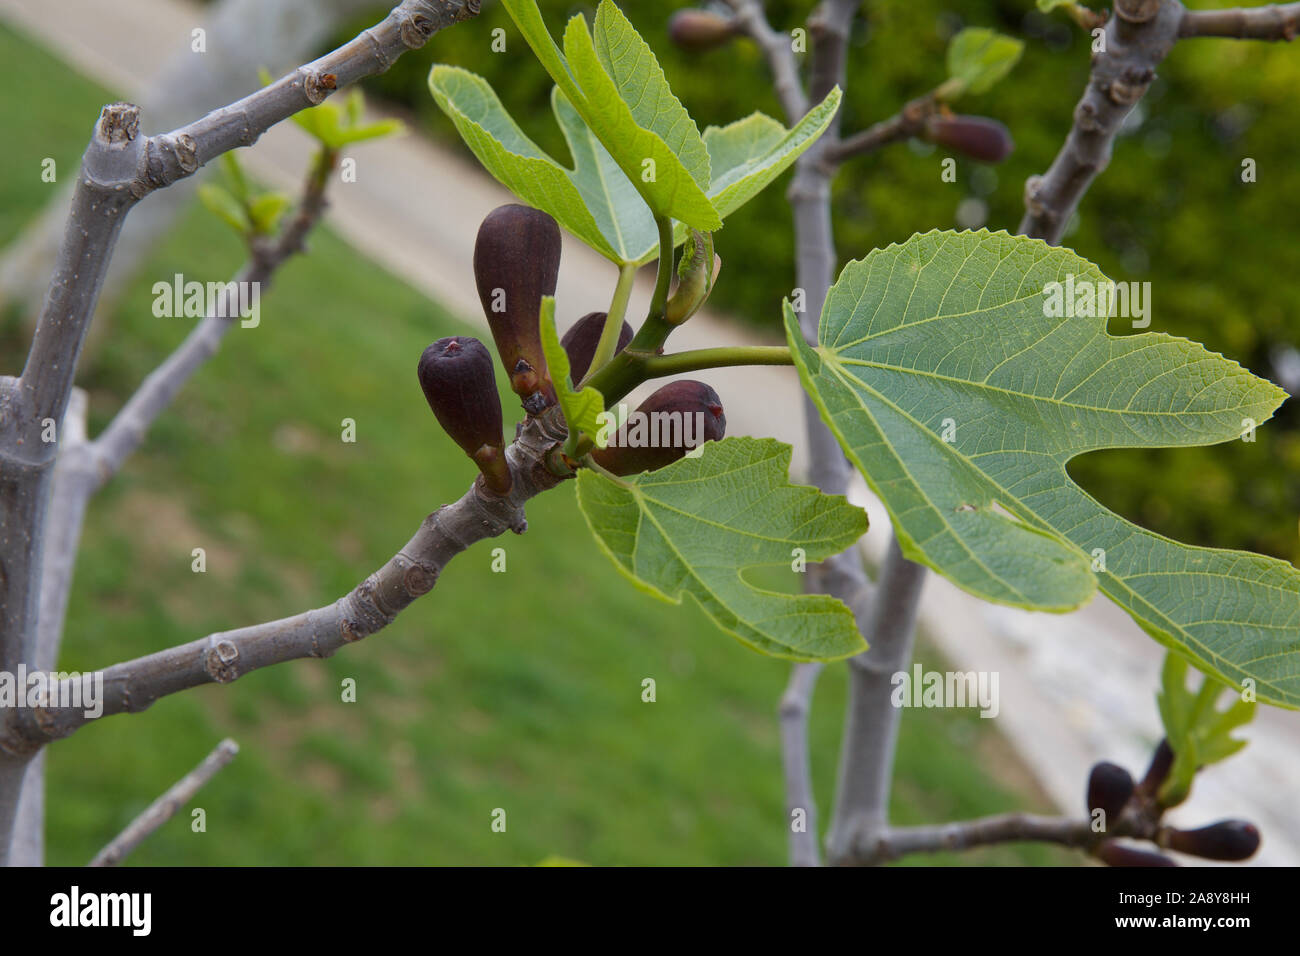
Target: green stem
<point x="613" y="320"/>
<point x="657" y="366"/>
<point x="595" y="466"/>
<point x="655" y="330"/>
<point x="630" y="368"/>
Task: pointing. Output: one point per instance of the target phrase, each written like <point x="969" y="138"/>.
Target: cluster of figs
<point x="516" y="264"/>
<point x="1112" y="790"/>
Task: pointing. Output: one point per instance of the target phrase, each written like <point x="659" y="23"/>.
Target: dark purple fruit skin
<point x="581" y="340"/>
<point x="1109" y="788"/>
<point x="1226" y="840"/>
<point x="699" y="30"/>
<point x="1117" y="854"/>
<point x="456" y="376"/>
<point x="975" y="136"/>
<point x="684" y="396"/>
<point x="1161" y="763"/>
<point x="518" y="251"/>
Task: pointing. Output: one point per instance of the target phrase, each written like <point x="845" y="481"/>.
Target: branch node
<point x="317" y="86"/>
<point x="1032" y="202"/>
<point x="119" y="123"/>
<point x="1136" y="11"/>
<point x="419" y="579"/>
<point x="222" y="661"/>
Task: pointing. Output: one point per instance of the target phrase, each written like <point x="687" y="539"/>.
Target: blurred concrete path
<point x="1074" y="688"/>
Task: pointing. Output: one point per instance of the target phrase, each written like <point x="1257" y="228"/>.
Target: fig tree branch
<point x="1272" y="22"/>
<point x="124" y="433"/>
<point x="165" y="807"/>
<point x="796" y="764"/>
<point x="866" y="768"/>
<point x="223" y="657"/>
<point x="869" y="735"/>
<point x="896" y="842"/>
<point x="1137" y="39"/>
<point x="82" y="466"/>
<point x="903" y="125"/>
<point x="778" y="50"/>
<point x="119" y="168"/>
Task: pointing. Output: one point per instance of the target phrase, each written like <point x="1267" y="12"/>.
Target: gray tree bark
<point x="243" y="36"/>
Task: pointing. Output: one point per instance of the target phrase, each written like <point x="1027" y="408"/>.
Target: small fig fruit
<point x="700" y="30"/>
<point x="1120" y="854"/>
<point x="1225" y="840"/>
<point x="456" y="376"/>
<point x="978" y="137"/>
<point x="516" y="262"/>
<point x="1109" y="788"/>
<point x="581" y="340"/>
<point x="1162" y="761"/>
<point x="680" y="416"/>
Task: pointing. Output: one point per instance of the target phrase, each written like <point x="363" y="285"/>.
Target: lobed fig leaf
<point x="961" y="392"/>
<point x="694" y="528"/>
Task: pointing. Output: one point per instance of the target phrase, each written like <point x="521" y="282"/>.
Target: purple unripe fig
<point x="1119" y="854"/>
<point x="1225" y="840"/>
<point x="516" y="262"/>
<point x="1162" y="760"/>
<point x="700" y="30"/>
<point x="678" y="417"/>
<point x="1109" y="788"/>
<point x="581" y="340"/>
<point x="978" y="137"/>
<point x="456" y="377"/>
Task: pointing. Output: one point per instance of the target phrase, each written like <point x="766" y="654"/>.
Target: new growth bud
<point x="1225" y="840"/>
<point x="979" y="138"/>
<point x="671" y="411"/>
<point x="700" y="30"/>
<point x="456" y="376"/>
<point x="516" y="262"/>
<point x="1109" y="788"/>
<point x="695" y="277"/>
<point x="581" y="340"/>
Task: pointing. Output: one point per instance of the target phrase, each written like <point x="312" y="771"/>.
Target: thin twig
<point x="778" y="50"/>
<point x="796" y="703"/>
<point x="871" y="727"/>
<point x="1273" y="22"/>
<point x="905" y="124"/>
<point x="165" y="807"/>
<point x="372" y="605"/>
<point x="815" y="260"/>
<point x="119" y="168"/>
<point x="1120" y="77"/>
<point x="124" y="433"/>
<point x="896" y="842"/>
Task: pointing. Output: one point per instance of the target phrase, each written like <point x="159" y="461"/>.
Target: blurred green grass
<point x="519" y="691"/>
